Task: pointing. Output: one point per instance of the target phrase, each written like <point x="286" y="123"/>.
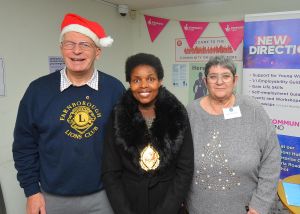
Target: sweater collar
<point x="66" y="83"/>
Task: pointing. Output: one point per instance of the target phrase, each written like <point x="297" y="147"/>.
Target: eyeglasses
<point x="68" y="45"/>
<point x="213" y="78"/>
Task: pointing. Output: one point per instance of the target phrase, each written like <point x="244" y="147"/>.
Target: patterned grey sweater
<point x="237" y="161"/>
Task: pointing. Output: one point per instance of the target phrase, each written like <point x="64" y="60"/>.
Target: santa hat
<point x="95" y="31"/>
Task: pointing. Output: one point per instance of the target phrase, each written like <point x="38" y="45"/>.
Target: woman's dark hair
<point x="222" y="61"/>
<point x="143" y="59"/>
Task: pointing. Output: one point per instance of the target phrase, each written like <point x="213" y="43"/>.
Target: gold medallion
<point x="149" y="158"/>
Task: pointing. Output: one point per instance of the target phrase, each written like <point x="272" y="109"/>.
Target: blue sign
<point x="266" y="45"/>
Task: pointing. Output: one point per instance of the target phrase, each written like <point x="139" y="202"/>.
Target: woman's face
<point x="220" y="82"/>
<point x="144" y="84"/>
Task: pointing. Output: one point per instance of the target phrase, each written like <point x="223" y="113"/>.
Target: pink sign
<point x="234" y="31"/>
<point x="192" y="31"/>
<point x="155" y="25"/>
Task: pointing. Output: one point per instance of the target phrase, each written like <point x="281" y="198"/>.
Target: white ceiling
<point x="151" y="4"/>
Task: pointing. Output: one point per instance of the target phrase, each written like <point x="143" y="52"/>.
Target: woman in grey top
<point x="237" y="154"/>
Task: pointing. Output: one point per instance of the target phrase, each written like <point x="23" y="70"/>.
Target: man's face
<point x="79" y="53"/>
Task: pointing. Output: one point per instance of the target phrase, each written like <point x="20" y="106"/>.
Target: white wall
<point x="29" y="34"/>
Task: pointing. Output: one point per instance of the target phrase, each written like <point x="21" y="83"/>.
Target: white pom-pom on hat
<point x="106" y="41"/>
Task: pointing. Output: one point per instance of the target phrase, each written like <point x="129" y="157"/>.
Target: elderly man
<point x="60" y="126"/>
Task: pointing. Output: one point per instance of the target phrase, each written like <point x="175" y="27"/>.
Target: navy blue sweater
<point x="58" y="135"/>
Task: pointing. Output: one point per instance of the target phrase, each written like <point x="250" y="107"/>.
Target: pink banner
<point x="234" y="31"/>
<point x="192" y="31"/>
<point x="155" y="25"/>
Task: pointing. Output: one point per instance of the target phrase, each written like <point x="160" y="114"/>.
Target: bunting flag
<point x="234" y="31"/>
<point x="155" y="25"/>
<point x="192" y="31"/>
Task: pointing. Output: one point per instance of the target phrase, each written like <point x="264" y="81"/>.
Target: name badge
<point x="232" y="112"/>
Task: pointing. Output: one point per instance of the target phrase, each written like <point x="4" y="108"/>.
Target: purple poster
<point x="271" y="75"/>
<point x="290" y="155"/>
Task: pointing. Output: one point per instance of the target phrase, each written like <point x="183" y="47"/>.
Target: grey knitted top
<point x="237" y="161"/>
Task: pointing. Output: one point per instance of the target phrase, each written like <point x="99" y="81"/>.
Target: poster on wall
<point x="271" y="74"/>
<point x="2" y="84"/>
<point x="179" y="75"/>
<point x="206" y="47"/>
<point x="197" y="87"/>
<point x="203" y="49"/>
<point x="55" y="63"/>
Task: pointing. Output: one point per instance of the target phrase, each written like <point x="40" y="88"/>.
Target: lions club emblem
<point x="81" y="119"/>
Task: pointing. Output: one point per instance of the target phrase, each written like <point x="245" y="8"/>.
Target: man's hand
<point x="252" y="211"/>
<point x="36" y="204"/>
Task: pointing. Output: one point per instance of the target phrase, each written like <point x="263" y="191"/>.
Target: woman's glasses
<point x="225" y="77"/>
